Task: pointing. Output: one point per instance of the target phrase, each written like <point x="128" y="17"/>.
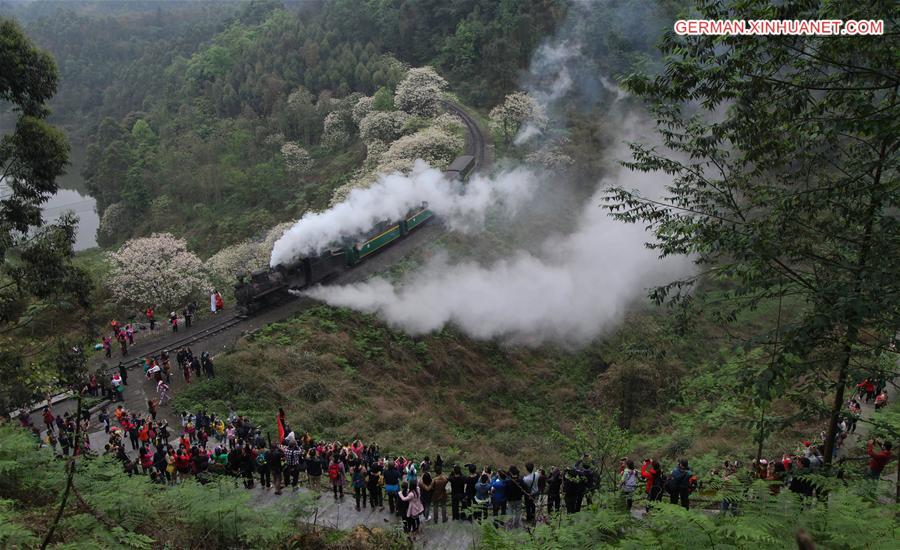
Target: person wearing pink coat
<point x="414" y="509"/>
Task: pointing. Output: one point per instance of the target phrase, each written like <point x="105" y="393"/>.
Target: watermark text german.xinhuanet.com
<point x="776" y="27"/>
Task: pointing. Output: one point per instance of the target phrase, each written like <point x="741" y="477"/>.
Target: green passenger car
<point x="415" y="220"/>
<point x="361" y="251"/>
<point x="358" y="253"/>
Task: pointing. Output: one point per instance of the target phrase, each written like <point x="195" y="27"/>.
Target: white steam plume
<point x="575" y="288"/>
<point x="549" y="70"/>
<point x="572" y="289"/>
<point x="393" y="196"/>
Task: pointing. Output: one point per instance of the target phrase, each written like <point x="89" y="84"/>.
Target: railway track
<point x="168" y="344"/>
<point x="475" y="144"/>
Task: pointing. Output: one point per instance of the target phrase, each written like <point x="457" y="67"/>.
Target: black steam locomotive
<point x="270" y="286"/>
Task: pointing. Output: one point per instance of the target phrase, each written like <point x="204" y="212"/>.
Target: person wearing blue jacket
<point x="680" y="484"/>
<point x="498" y="494"/>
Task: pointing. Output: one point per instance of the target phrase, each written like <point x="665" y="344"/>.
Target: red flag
<point x="280" y="420"/>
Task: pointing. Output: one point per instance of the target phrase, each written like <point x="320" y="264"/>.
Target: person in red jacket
<point x="146" y="456"/>
<point x="867" y="388"/>
<point x="652" y="472"/>
<point x="879" y="459"/>
<point x="150" y="318"/>
<point x="49" y="419"/>
<point x="183" y="462"/>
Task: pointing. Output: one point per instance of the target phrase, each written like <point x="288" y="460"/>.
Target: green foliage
<point x="13" y="532"/>
<point x="783" y="236"/>
<point x="29" y="74"/>
<point x="117" y="510"/>
<point x="599" y="442"/>
<point x="37" y="277"/>
<point x="383" y="100"/>
<point x="764" y="521"/>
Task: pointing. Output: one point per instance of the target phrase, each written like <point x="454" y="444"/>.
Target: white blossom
<point x="432" y="145"/>
<point x="300" y="96"/>
<point x="296" y="158"/>
<point x="375" y="149"/>
<point x="225" y="264"/>
<point x="335" y="131"/>
<point x="156" y="270"/>
<point x="419" y="92"/>
<point x="551" y="157"/>
<point x="517" y="109"/>
<point x="114" y="219"/>
<point x="361" y="109"/>
<point x="244" y="257"/>
<point x="450" y="123"/>
<point x="274" y="139"/>
<point x="382" y="125"/>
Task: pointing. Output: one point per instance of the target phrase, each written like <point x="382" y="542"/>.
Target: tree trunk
<point x="761" y="436"/>
<point x="838" y="404"/>
<point x="852" y="335"/>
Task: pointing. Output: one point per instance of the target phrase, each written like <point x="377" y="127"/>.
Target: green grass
<point x="340" y="374"/>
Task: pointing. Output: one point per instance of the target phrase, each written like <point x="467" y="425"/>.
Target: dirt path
<point x="860" y="437"/>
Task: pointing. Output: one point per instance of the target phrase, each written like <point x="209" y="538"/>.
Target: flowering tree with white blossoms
<point x="362" y="108"/>
<point x="274" y="139"/>
<point x="335" y="129"/>
<point x="450" y="123"/>
<point x="419" y="92"/>
<point x="244" y="257"/>
<point x="225" y="264"/>
<point x="156" y="270"/>
<point x="296" y="158"/>
<point x="552" y="157"/>
<point x="374" y="150"/>
<point x="432" y="145"/>
<point x="114" y="219"/>
<point x="517" y="109"/>
<point x="382" y="125"/>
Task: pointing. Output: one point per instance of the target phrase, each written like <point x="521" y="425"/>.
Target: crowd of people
<point x="61" y="431"/>
<point x="124" y="335"/>
<point x="416" y="491"/>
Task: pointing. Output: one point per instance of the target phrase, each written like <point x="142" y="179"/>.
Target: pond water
<point x="71" y="196"/>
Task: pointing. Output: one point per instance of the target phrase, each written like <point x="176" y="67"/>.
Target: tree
<point x="362" y="108"/>
<point x="600" y="443"/>
<point x="335" y="129"/>
<point x="517" y="109"/>
<point x="302" y="117"/>
<point x="296" y="158"/>
<point x="37" y="278"/>
<point x="419" y="93"/>
<point x="244" y="257"/>
<point x="431" y="144"/>
<point x="384" y="126"/>
<point x="156" y="270"/>
<point x="383" y="100"/>
<point x="785" y="181"/>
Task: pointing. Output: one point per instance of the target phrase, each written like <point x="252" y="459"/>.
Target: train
<point x="267" y="287"/>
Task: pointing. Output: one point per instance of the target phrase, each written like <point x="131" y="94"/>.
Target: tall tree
<point x="36" y="275"/>
<point x="783" y="152"/>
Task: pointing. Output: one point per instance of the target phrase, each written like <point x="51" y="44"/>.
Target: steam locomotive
<point x="268" y="287"/>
